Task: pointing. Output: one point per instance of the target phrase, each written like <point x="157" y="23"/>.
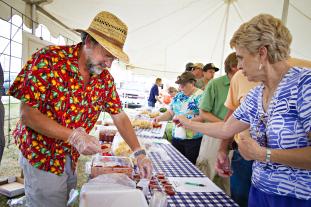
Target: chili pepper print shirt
<point x="51" y="82"/>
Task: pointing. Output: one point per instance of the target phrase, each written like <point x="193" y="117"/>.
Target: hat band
<point x="109" y="39"/>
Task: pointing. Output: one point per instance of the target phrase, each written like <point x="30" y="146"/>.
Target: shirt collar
<point x="227" y="81"/>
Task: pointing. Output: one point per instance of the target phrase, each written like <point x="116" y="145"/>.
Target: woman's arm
<point x="298" y="158"/>
<point x="168" y="115"/>
<point x="221" y="130"/>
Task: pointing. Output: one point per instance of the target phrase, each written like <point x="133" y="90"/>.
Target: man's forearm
<point x="126" y="130"/>
<point x="39" y="122"/>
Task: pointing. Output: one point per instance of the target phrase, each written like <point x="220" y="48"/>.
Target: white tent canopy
<point x="166" y="34"/>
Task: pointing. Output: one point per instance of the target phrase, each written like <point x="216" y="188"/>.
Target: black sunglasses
<point x="261" y="135"/>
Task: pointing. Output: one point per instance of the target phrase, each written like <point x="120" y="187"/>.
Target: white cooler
<point x="111" y="195"/>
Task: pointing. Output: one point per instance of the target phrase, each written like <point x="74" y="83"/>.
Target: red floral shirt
<point x="51" y="82"/>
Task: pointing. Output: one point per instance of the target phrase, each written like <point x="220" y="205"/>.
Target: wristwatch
<point x="268" y="155"/>
<point x="139" y="152"/>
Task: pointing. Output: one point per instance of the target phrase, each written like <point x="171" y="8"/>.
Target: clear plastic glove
<point x="83" y="142"/>
<point x="223" y="166"/>
<point x="145" y="166"/>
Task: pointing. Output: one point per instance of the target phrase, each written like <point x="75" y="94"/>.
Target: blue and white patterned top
<point x="188" y="106"/>
<point x="288" y="122"/>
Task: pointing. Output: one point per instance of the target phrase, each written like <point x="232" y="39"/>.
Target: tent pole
<point x="225" y="36"/>
<point x="33" y="17"/>
<point x="285" y="11"/>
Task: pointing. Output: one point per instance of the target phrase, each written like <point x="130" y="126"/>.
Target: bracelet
<point x="139" y="152"/>
<point x="268" y="155"/>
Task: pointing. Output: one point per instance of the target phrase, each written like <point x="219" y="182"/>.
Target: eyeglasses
<point x="261" y="129"/>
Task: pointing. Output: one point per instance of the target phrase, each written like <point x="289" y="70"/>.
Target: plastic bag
<point x="17" y="202"/>
<point x="161" y="152"/>
<point x="73" y="197"/>
<point x="158" y="199"/>
<point x="114" y="178"/>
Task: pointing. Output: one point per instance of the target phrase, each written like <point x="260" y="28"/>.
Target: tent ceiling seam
<point x="299" y="11"/>
<point x="236" y="8"/>
<point x="196" y="26"/>
<point x="185" y="34"/>
<point x="218" y="36"/>
<point x="163" y="17"/>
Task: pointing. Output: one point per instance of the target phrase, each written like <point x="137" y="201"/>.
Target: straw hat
<point x="110" y="32"/>
<point x="198" y="65"/>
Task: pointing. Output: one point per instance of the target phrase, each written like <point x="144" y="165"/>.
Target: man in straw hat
<point x="62" y="90"/>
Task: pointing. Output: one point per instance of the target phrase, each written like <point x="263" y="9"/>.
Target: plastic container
<point x="119" y="147"/>
<point x="112" y="195"/>
<point x="111" y="164"/>
<point x="107" y="133"/>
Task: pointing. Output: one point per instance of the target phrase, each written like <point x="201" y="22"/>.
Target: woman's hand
<point x="156" y="119"/>
<point x="223" y="166"/>
<point x="250" y="149"/>
<point x="181" y="120"/>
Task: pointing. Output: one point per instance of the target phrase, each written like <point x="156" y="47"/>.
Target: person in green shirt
<point x="212" y="109"/>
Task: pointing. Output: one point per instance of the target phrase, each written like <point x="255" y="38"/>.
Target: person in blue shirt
<point x="278" y="113"/>
<point x="186" y="102"/>
<point x="154" y="93"/>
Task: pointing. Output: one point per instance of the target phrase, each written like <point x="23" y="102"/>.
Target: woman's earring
<point x="260" y="66"/>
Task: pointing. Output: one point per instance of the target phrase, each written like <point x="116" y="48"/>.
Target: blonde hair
<point x="267" y="31"/>
<point x="172" y="90"/>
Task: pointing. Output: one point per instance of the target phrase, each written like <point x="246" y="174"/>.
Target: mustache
<point x="96" y="68"/>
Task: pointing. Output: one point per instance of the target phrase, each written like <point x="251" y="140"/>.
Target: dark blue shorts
<point x="262" y="199"/>
<point x="240" y="181"/>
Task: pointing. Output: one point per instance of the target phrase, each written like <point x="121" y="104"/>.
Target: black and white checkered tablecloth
<point x="179" y="166"/>
<point x="152" y="133"/>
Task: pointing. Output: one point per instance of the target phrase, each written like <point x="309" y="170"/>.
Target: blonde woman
<point x="278" y="112"/>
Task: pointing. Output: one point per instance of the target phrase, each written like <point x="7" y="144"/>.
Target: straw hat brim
<point x="113" y="49"/>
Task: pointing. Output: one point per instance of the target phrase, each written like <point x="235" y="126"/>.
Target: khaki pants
<point x="47" y="189"/>
<point x="207" y="159"/>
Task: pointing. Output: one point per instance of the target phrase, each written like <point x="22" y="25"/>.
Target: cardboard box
<point x="11" y="187"/>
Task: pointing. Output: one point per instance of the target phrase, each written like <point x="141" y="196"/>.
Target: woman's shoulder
<point x="198" y="92"/>
<point x="300" y="75"/>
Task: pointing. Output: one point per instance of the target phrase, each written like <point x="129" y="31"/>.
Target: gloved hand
<point x="83" y="142"/>
<point x="145" y="166"/>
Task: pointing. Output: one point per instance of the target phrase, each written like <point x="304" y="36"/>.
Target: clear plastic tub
<point x="107" y="133"/>
<point x="111" y="164"/>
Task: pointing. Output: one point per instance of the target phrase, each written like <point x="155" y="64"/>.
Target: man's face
<point x="197" y="72"/>
<point x="209" y="74"/>
<point x="98" y="59"/>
